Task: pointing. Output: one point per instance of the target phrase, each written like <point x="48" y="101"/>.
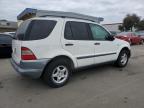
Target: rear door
<point x="77" y="41"/>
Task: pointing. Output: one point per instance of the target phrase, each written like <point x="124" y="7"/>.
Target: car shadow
<point x="5" y="56"/>
<point x="83" y="73"/>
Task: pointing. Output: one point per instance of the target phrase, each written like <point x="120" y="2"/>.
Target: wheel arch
<point x="126" y="48"/>
<point x="73" y="65"/>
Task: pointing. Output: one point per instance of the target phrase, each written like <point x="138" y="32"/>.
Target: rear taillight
<point x="27" y="54"/>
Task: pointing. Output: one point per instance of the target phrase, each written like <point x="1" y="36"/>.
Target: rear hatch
<point x="16" y="48"/>
<point x="28" y="35"/>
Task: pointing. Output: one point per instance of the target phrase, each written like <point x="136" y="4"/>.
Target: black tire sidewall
<point x="142" y="42"/>
<point x="119" y="64"/>
<point x="47" y="76"/>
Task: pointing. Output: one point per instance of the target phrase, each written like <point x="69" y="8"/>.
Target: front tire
<point x="123" y="58"/>
<point x="57" y="73"/>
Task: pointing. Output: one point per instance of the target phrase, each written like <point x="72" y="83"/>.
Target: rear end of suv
<point x="28" y="44"/>
<point x="52" y="47"/>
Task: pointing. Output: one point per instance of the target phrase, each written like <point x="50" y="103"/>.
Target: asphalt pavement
<point x="103" y="86"/>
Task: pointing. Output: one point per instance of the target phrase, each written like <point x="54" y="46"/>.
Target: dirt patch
<point x="136" y="57"/>
<point x="131" y="73"/>
<point x="1" y="85"/>
<point x="83" y="77"/>
<point x="29" y="100"/>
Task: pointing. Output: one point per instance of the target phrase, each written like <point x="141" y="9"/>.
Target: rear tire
<point x="123" y="58"/>
<point x="142" y="42"/>
<point x="130" y="42"/>
<point x="57" y="73"/>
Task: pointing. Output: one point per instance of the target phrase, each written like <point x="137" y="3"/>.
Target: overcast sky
<point x="111" y="10"/>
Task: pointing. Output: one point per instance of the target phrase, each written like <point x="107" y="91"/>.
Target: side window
<point x="76" y="31"/>
<point x="98" y="32"/>
<point x="39" y="29"/>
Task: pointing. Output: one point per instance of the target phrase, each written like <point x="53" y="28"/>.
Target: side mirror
<point x="111" y="37"/>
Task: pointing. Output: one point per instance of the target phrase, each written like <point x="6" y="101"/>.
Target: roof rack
<point x="43" y="13"/>
<point x="29" y="12"/>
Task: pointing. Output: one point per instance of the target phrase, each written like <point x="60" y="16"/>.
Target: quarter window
<point x="40" y="29"/>
<point x="35" y="29"/>
<point x="98" y="32"/>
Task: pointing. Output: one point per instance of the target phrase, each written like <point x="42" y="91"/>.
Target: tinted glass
<point x="20" y="34"/>
<point x="13" y="34"/>
<point x="68" y="33"/>
<point x="98" y="32"/>
<point x="34" y="30"/>
<point x="78" y="30"/>
<point x="39" y="29"/>
<point x="124" y="33"/>
<point x="141" y="33"/>
<point x="5" y="39"/>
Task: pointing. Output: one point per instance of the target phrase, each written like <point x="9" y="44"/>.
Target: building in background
<point x="7" y="26"/>
<point x="113" y="27"/>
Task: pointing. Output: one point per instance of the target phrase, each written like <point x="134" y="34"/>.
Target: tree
<point x="140" y="25"/>
<point x="121" y="28"/>
<point x="130" y="22"/>
<point x="136" y="19"/>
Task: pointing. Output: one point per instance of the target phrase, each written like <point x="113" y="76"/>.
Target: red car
<point x="140" y="34"/>
<point x="130" y="37"/>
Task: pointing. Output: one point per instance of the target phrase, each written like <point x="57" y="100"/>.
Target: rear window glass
<point x="5" y="39"/>
<point x="20" y="34"/>
<point x="36" y="29"/>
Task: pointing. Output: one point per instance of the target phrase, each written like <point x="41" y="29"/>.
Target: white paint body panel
<point x="54" y="45"/>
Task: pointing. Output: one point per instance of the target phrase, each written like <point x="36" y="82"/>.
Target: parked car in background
<point x="140" y="34"/>
<point x="130" y="37"/>
<point x="5" y="45"/>
<point x="10" y="33"/>
<point x="114" y="33"/>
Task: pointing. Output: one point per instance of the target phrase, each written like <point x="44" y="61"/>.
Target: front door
<point x="105" y="49"/>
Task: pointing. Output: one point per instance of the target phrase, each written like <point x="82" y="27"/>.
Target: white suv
<point x="52" y="47"/>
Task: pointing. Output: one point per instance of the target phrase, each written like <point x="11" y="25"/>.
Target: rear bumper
<point x="33" y="68"/>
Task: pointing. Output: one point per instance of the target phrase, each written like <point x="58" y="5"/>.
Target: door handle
<point x="69" y="44"/>
<point x="96" y="43"/>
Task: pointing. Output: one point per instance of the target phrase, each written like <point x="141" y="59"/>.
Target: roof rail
<point x="29" y="12"/>
<point x="43" y="13"/>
